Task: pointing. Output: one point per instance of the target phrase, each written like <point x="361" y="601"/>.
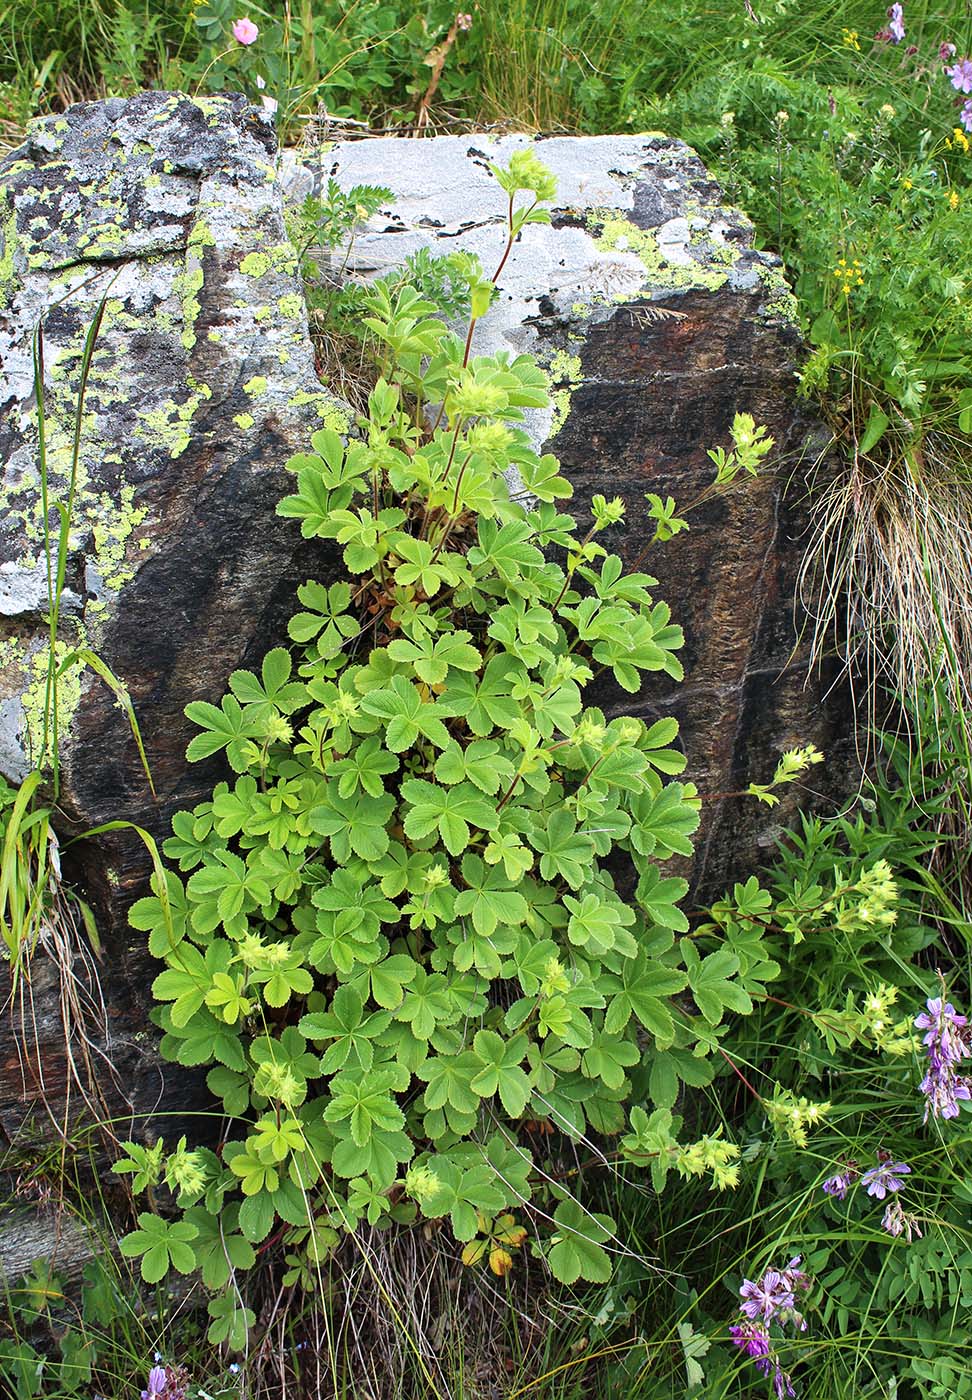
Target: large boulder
<point x="644" y="299"/>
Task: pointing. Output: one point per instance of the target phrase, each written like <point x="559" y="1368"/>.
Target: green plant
<point x="400" y="942"/>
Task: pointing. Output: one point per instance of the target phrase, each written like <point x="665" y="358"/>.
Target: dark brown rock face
<point x="202" y="385"/>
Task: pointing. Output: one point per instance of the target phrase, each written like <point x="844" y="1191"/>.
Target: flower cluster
<point x="840" y="1183"/>
<point x="883" y="1181"/>
<point x="771" y="1300"/>
<point x="948" y="1044"/>
<point x="849" y="275"/>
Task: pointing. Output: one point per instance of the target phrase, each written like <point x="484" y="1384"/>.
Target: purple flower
<point x="773" y="1294"/>
<point x="840" y="1183"/>
<point x="946" y="1039"/>
<point x="961" y="75"/>
<point x="885" y="1177"/>
<point x="156" y="1384"/>
<point x="965" y="116"/>
<point x="753" y="1339"/>
<point x="896" y="26"/>
<point x="946" y="51"/>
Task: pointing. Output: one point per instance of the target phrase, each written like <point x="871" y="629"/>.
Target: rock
<point x="657" y="322"/>
<point x="645" y="301"/>
<point x="202" y="385"/>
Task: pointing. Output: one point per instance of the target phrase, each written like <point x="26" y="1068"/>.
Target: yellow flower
<point x="907" y="185"/>
<point x="960" y="139"/>
<point x="850" y="38"/>
<point x="953" y="200"/>
<point x="887" y="111"/>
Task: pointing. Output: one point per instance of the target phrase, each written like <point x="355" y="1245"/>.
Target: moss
<point x="112" y="525"/>
<point x="563" y="374"/>
<point x="255" y="265"/>
<point x="280" y="257"/>
<point x="28" y="663"/>
<point x="612" y="230"/>
<point x="8" y="246"/>
<point x="291" y="306"/>
<point x="243" y="421"/>
<point x="187" y="286"/>
<point x="201" y="235"/>
<point x="255" y="386"/>
<point x="330" y="412"/>
<point x="168" y="425"/>
<point x="780" y="301"/>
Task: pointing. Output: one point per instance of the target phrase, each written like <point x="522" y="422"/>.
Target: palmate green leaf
<point x="711" y="981"/>
<point x="658" y="896"/>
<point x="364" y="768"/>
<point x="204" y="1039"/>
<point x="427" y="1003"/>
<point x="642" y="988"/>
<point x="326" y="618"/>
<point x="357" y="824"/>
<point x="361" y="1102"/>
<point x="148" y="915"/>
<point x="345" y="942"/>
<point x="313" y="501"/>
<point x="449" y="1080"/>
<point x="608" y="1057"/>
<point x="505" y="549"/>
<point x="449" y="810"/>
<point x="231" y="1321"/>
<point x="186" y="982"/>
<point x="218" y="1246"/>
<point x="192" y="837"/>
<point x="230" y="727"/>
<point x="480" y="762"/>
<point x="378" y="1158"/>
<point x="161" y="1245"/>
<point x="485" y="702"/>
<point x="224" y="891"/>
<point x="274" y="692"/>
<point x="488" y="898"/>
<point x="348" y="890"/>
<point x="348" y="1030"/>
<point x="670" y="1068"/>
<point x="662" y="823"/>
<point x="564" y="851"/>
<point x="431" y="657"/>
<point x="500" y="1071"/>
<point x="576" y="1251"/>
<point x="406" y="715"/>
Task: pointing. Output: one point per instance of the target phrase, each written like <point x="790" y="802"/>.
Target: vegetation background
<point x="849" y="148"/>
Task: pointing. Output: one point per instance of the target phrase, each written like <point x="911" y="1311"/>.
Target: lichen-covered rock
<point x="202" y="385"/>
<point x="657" y="321"/>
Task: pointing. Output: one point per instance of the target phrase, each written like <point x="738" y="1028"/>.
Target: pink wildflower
<point x="896" y="27"/>
<point x="245" y="31"/>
